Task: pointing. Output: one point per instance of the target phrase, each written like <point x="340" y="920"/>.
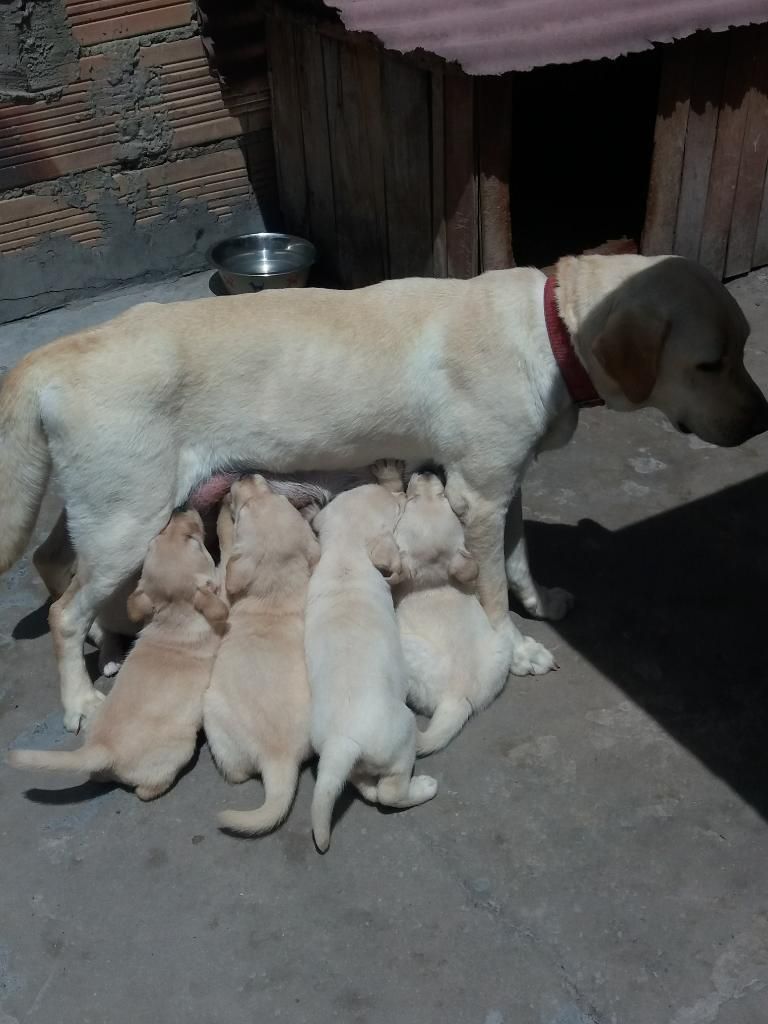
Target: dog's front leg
<point x="540" y="602"/>
<point x="483" y="520"/>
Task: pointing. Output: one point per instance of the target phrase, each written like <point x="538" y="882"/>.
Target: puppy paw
<point x="530" y="658"/>
<point x="389" y="473"/>
<point x="81" y="709"/>
<point x="110" y="668"/>
<point x="422" y="788"/>
<point x="551" y="603"/>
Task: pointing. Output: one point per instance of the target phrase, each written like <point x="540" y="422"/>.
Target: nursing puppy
<point x="145" y="731"/>
<point x="457" y="663"/>
<point x="361" y="726"/>
<point x="256" y="711"/>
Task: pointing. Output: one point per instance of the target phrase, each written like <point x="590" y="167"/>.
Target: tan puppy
<point x="457" y="663"/>
<point x="145" y="731"/>
<point x="361" y="726"/>
<point x="256" y="712"/>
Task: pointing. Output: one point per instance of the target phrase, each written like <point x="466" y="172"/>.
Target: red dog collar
<point x="576" y="378"/>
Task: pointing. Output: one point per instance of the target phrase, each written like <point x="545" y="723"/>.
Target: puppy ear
<point x="385" y="555"/>
<point x="139" y="606"/>
<point x="463" y="567"/>
<point x="209" y="604"/>
<point x="241" y="570"/>
<point x="629" y="350"/>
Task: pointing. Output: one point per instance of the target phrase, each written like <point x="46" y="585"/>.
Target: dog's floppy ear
<point x="629" y="350"/>
<point x="463" y="567"/>
<point x="208" y="602"/>
<point x="241" y="570"/>
<point x="385" y="555"/>
<point x="139" y="606"/>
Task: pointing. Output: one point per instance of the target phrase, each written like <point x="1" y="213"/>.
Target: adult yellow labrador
<point x="132" y="415"/>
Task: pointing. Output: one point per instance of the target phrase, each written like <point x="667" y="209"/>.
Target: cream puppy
<point x="145" y="731"/>
<point x="457" y="663"/>
<point x="361" y="726"/>
<point x="256" y="711"/>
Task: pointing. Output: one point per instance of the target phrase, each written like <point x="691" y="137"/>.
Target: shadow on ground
<point x="674" y="611"/>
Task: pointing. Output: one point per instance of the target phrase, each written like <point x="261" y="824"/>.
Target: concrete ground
<point x="598" y="850"/>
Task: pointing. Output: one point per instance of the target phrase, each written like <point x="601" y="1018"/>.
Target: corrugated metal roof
<point x="493" y="36"/>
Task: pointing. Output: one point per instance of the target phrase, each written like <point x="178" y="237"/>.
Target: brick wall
<point x="121" y="157"/>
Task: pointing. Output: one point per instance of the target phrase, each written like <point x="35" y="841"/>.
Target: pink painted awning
<point x="488" y="37"/>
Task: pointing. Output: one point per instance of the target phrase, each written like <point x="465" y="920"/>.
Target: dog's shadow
<point x="672" y="610"/>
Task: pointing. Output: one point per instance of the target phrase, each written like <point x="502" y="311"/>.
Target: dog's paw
<point x="80" y="710"/>
<point x="111" y="668"/>
<point x="422" y="788"/>
<point x="550" y="603"/>
<point x="389" y="473"/>
<point x="530" y="658"/>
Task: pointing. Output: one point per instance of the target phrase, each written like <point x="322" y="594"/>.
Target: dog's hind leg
<point x="107" y="557"/>
<point x="398" y="788"/>
<point x="55" y="558"/>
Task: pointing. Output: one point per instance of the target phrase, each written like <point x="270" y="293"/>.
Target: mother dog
<point x="477" y="375"/>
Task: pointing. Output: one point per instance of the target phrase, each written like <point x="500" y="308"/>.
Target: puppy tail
<point x="448" y="720"/>
<point x="337" y="760"/>
<point x="25" y="463"/>
<point x="89" y="758"/>
<point x="280" y="781"/>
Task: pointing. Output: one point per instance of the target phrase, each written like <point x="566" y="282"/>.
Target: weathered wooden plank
<point x="706" y="94"/>
<point x="754" y="159"/>
<point x="321" y="214"/>
<point x="727" y="153"/>
<point x="286" y="124"/>
<point x="494" y="149"/>
<point x="359" y="250"/>
<point x="368" y="64"/>
<point x="760" y="253"/>
<point x="460" y="177"/>
<point x="668" y="149"/>
<point x="406" y="99"/>
<point x="439" y="252"/>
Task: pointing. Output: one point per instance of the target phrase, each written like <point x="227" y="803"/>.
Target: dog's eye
<point x="712" y="367"/>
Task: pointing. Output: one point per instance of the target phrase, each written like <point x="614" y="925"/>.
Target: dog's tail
<point x="24" y="461"/>
<point x="280" y="780"/>
<point x="448" y="721"/>
<point x="89" y="758"/>
<point x="337" y="760"/>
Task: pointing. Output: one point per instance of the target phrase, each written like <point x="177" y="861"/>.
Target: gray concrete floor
<point x="598" y="850"/>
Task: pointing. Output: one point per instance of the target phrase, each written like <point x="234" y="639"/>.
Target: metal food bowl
<point x="249" y="263"/>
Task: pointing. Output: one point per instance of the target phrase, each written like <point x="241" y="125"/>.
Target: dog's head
<point x="664" y="333"/>
<point x="178" y="570"/>
<point x="430" y="536"/>
<point x="274" y="547"/>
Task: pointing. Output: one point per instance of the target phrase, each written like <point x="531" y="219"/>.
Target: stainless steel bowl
<point x="248" y="263"/>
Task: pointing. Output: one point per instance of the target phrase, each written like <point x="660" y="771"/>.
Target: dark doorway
<point x="582" y="137"/>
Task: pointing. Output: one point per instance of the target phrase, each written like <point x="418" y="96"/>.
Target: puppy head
<point x="671" y="336"/>
<point x="359" y="516"/>
<point x="431" y="537"/>
<point x="274" y="547"/>
<point x="178" y="570"/>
